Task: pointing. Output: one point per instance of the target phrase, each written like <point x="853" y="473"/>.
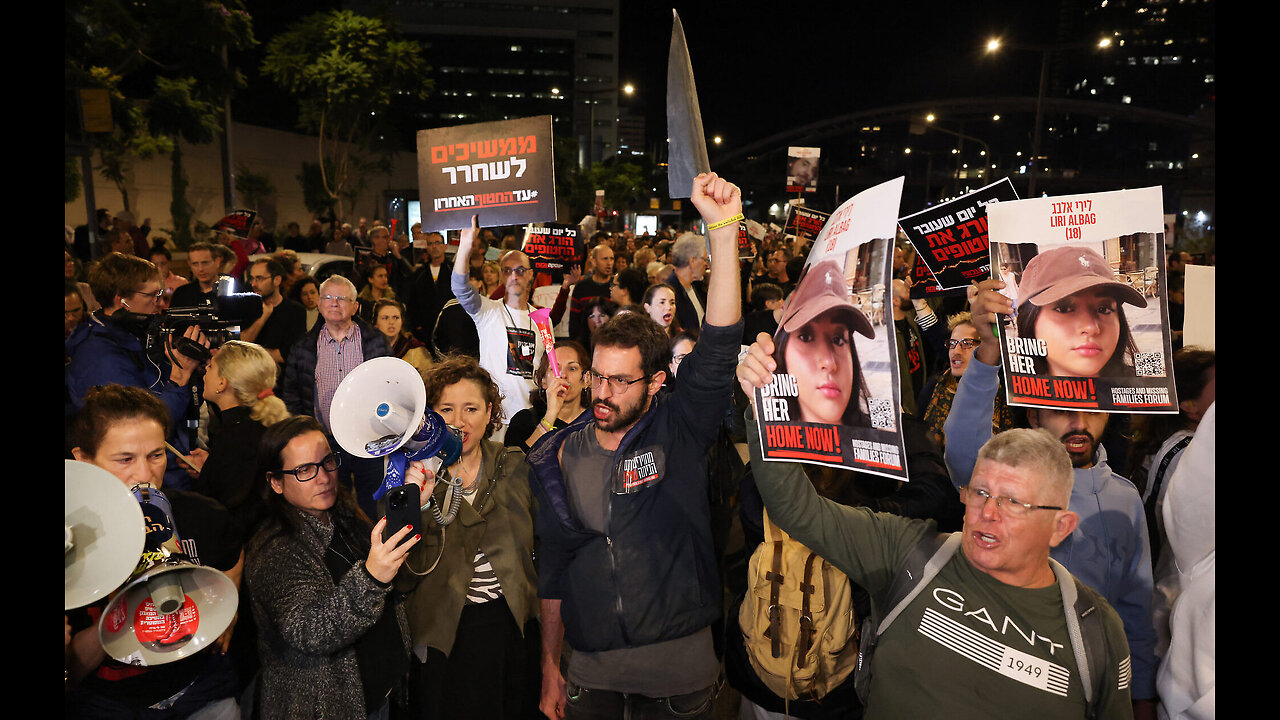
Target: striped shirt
<point x="484" y="585"/>
<point x="334" y="359"/>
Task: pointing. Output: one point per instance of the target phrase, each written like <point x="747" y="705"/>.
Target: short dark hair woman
<point x="332" y="637"/>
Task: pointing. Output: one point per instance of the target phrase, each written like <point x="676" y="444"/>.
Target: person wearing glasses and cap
<point x="815" y="344"/>
<point x="1070" y="299"/>
<point x="509" y="344"/>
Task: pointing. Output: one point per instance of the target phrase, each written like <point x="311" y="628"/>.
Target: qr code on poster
<point x="1149" y="364"/>
<point x="881" y="413"/>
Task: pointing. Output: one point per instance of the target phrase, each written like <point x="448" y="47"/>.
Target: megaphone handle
<point x="397" y="464"/>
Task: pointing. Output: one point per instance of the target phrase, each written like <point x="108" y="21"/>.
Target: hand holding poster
<point x="951" y="237"/>
<point x="502" y="170"/>
<point x="834" y="396"/>
<point x="1090" y="328"/>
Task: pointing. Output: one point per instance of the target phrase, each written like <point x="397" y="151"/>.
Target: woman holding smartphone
<point x="332" y="638"/>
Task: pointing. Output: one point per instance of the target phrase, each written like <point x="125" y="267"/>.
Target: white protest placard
<point x="1200" y="324"/>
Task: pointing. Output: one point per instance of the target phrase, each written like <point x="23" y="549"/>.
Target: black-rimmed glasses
<point x="617" y="385"/>
<point x="307" y="471"/>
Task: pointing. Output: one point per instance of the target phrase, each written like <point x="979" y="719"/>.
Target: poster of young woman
<point x="1090" y="329"/>
<point x="835" y="399"/>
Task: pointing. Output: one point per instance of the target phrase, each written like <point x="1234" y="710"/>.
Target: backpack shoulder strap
<point x="919" y="567"/>
<point x="1088" y="639"/>
<point x="775" y="578"/>
<point x="921" y="564"/>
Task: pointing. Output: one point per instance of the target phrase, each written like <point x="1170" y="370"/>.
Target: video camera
<point x="220" y="321"/>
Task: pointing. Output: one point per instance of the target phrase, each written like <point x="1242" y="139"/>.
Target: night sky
<point x="762" y="67"/>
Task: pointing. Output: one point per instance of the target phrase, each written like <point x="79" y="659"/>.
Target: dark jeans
<point x="587" y="704"/>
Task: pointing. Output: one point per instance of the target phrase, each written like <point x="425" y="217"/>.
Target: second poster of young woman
<point x="1091" y="325"/>
<point x="835" y="398"/>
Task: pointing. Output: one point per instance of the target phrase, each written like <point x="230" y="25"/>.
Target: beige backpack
<point x="797" y="619"/>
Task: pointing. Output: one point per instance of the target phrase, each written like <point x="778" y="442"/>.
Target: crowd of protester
<point x="556" y="593"/>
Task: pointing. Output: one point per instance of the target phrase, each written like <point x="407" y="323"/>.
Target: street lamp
<point x="627" y="89"/>
<point x="995" y="44"/>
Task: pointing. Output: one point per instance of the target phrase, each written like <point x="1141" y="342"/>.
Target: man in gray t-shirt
<point x="682" y="666"/>
<point x="626" y="551"/>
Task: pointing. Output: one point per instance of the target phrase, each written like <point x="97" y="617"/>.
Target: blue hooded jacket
<point x="651" y="577"/>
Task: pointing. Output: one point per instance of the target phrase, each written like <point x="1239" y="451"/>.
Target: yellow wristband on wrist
<point x="725" y="222"/>
<point x="543" y="423"/>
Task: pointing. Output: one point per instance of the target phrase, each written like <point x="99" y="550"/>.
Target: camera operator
<point x="105" y="351"/>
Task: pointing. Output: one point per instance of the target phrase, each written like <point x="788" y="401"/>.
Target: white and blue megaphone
<point x="380" y="410"/>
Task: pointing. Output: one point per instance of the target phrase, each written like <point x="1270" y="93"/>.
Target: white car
<point x="321" y="265"/>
